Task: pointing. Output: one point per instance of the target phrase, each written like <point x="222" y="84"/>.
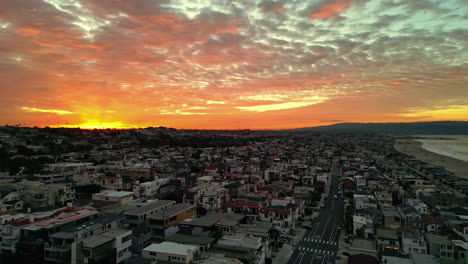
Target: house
<point x="362" y="201"/>
<point x="362" y="246"/>
<point x="195" y="194"/>
<point x="263" y="230"/>
<point x="413" y="243"/>
<point x="461" y="251"/>
<point x="11" y="201"/>
<point x="420" y="207"/>
<point x="363" y="226"/>
<point x="461" y="230"/>
<point x="431" y="224"/>
<point x="39" y="195"/>
<point x="214" y="200"/>
<point x="440" y="246"/>
<point x="111" y="182"/>
<point x="164" y="223"/>
<point x="393" y="257"/>
<point x="170" y="251"/>
<point x="417" y="258"/>
<point x="149" y="189"/>
<point x="391" y="218"/>
<point x="112" y="245"/>
<point x="58" y="247"/>
<point x="86" y="177"/>
<point x="281" y="217"/>
<point x="387" y="240"/>
<point x="206" y="225"/>
<point x="410" y="217"/>
<point x="246" y="248"/>
<point x="136" y="217"/>
<point x="248" y="208"/>
<point x="376" y="215"/>
<point x="384" y="198"/>
<point x="122" y="197"/>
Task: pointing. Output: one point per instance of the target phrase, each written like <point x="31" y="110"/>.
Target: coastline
<point x="414" y="148"/>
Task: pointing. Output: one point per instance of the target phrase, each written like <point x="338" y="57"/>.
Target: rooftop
<point x="115" y="193"/>
<point x="436" y="239"/>
<point x="188" y="239"/>
<point x="387" y="234"/>
<point x="172" y="210"/>
<point x="170" y="248"/>
<point x="149" y="207"/>
<point x="97" y="240"/>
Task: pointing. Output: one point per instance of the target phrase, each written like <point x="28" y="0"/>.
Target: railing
<point x="49" y="247"/>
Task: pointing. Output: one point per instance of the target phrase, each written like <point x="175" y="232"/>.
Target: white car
<point x="322" y="205"/>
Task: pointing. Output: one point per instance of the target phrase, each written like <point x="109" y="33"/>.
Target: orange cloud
<point x="331" y="9"/>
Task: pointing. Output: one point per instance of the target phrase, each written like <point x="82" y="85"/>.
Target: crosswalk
<point x="316" y="251"/>
<point x="326" y="242"/>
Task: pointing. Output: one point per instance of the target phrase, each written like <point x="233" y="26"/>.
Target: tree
<point x="218" y="234"/>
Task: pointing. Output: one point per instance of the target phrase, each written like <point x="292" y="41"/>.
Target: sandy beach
<point x="414" y="148"/>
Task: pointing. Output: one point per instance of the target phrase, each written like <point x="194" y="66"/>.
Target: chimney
<point x="31" y="218"/>
<point x="69" y="205"/>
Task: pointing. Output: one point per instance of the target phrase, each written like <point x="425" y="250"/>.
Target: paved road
<point x="320" y="244"/>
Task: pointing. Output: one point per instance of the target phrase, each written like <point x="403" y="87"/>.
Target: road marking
<point x="333" y="233"/>
<point x="325" y="229"/>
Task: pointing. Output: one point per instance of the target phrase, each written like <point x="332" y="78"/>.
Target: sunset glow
<point x="231" y="64"/>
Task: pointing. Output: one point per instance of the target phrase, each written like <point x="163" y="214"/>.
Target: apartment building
<point x="164" y="222"/>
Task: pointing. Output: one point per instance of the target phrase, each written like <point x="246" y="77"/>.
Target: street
<point x="320" y="244"/>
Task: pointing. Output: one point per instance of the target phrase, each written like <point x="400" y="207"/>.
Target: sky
<point x="258" y="64"/>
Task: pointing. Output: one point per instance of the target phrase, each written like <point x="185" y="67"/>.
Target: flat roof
<point x="386" y="233"/>
<point x="146" y="208"/>
<point x="172" y="210"/>
<point x="97" y="240"/>
<point x="189" y="239"/>
<point x="437" y="239"/>
<point x="366" y="244"/>
<point x="203" y="221"/>
<point x="60" y="219"/>
<point x="115" y="193"/>
<point x="170" y="248"/>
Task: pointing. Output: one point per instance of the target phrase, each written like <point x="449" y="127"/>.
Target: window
<point x="126" y="238"/>
<point x="442" y="246"/>
<point x="449" y="247"/>
<point x="152" y="253"/>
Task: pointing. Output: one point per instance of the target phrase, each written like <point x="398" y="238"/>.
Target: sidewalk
<point x="283" y="255"/>
<point x="342" y="246"/>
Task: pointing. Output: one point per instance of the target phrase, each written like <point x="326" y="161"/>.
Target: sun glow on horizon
<point x="98" y="125"/>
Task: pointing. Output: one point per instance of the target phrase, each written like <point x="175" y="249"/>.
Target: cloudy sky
<point x="232" y="64"/>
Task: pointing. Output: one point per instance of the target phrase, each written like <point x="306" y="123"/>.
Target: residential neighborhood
<point x="161" y="195"/>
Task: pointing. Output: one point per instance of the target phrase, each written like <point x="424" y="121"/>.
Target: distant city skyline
<point x="259" y="64"/>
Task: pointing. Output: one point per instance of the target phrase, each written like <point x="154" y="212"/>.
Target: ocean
<point x="450" y="146"/>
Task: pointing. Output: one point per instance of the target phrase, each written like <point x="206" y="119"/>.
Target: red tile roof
<point x="276" y="210"/>
<point x="241" y="205"/>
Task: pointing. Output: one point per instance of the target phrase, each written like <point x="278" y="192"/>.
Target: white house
<point x="413" y="243"/>
<point x="169" y="251"/>
<point x="149" y="189"/>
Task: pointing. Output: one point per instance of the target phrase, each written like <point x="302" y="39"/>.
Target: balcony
<point x="56" y="248"/>
<point x="155" y="226"/>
